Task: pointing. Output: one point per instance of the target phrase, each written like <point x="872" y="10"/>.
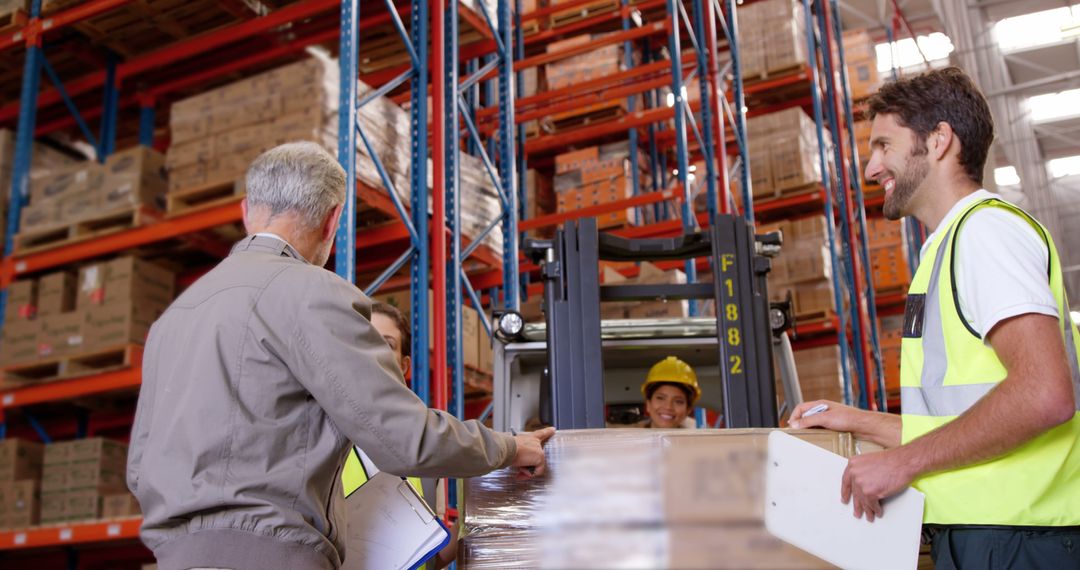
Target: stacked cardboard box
<point x="891" y="333"/>
<point x="20" y="483"/>
<point x="44" y="161"/>
<point x="888" y="256"/>
<point x="599" y="175"/>
<point x="803" y="269"/>
<point x="861" y="59"/>
<point x="820" y="373"/>
<point x="573" y="70"/>
<point x="77" y="475"/>
<point x="216" y="135"/>
<point x="539" y="200"/>
<point x="773" y="36"/>
<point x="128" y="180"/>
<point x="624" y="498"/>
<point x="784" y="152"/>
<point x="106" y="306"/>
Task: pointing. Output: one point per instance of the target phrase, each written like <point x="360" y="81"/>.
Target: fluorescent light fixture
<point x="1054" y="106"/>
<point x="1006" y="176"/>
<point x="937" y="46"/>
<point x="1067" y="166"/>
<point x="1037" y="28"/>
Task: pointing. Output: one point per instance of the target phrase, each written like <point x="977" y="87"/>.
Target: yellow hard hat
<point x="674" y="371"/>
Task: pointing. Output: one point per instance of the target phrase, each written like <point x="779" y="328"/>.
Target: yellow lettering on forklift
<point x="736" y="364"/>
<point x="726" y="261"/>
<point x="730" y="287"/>
<point x="733" y="337"/>
<point x="732" y="312"/>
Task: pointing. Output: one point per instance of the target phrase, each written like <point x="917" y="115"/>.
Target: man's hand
<point x="882" y="429"/>
<point x="837" y="417"/>
<point x="871" y="478"/>
<point x="530" y="459"/>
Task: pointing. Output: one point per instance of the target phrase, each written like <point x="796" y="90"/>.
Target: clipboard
<point x="803" y="508"/>
<point x="390" y="524"/>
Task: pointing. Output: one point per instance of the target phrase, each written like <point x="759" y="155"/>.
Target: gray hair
<point x="298" y="177"/>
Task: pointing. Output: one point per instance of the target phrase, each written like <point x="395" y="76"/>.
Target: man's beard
<point x="905" y="183"/>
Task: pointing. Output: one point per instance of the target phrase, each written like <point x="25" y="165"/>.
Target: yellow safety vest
<point x="353" y="476"/>
<point x="946" y="367"/>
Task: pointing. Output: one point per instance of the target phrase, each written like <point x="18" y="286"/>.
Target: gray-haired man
<point x="258" y="377"/>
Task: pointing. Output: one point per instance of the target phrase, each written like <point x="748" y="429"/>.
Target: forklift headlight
<point x="510" y="324"/>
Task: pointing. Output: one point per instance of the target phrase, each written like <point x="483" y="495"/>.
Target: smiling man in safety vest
<point x="990" y="379"/>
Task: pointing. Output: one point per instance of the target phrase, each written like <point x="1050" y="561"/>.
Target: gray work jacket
<point x="255" y="380"/>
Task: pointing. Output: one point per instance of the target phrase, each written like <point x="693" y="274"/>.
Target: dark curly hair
<point x="947" y="95"/>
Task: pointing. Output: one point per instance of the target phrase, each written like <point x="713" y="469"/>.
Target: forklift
<point x="576" y="371"/>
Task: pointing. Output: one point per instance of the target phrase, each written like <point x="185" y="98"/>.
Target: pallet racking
<point x="460" y="76"/>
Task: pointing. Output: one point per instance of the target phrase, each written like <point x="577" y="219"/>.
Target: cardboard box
<point x="40" y="215"/>
<point x="126" y="279"/>
<point x="135" y="177"/>
<point x="863" y="78"/>
<point x="61" y="334"/>
<point x="53" y="508"/>
<point x="20" y="504"/>
<point x="79" y="177"/>
<point x="56" y="453"/>
<point x="118" y="323"/>
<point x="719" y="478"/>
<point x="82" y="505"/>
<point x="470" y="330"/>
<point x="98" y="450"/>
<point x="115" y="505"/>
<point x="56" y="293"/>
<point x="79" y="206"/>
<point x="19" y="342"/>
<point x="814" y="298"/>
<point x="92" y="475"/>
<point x="820" y="374"/>
<point x="660" y="309"/>
<point x="707" y="547"/>
<point x="20" y="459"/>
<point x="56" y="478"/>
<point x="21" y="301"/>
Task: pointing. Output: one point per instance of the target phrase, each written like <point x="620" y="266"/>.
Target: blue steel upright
<point x="507" y="166"/>
<point x="631" y="106"/>
<point x="454" y="347"/>
<point x="110" y="110"/>
<point x="703" y="74"/>
<point x="860" y="205"/>
<point x="837" y="283"/>
<point x="24" y="144"/>
<point x="681" y="152"/>
<point x="419" y="270"/>
<point x="345" y="251"/>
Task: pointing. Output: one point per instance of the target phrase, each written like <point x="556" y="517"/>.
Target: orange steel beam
<point x="630" y="121"/>
<point x="60" y="20"/>
<point x="68" y="534"/>
<point x="643" y="199"/>
<point x="76" y="387"/>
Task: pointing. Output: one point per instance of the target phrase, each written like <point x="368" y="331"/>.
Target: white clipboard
<point x="803" y="508"/>
<point x="390" y="524"/>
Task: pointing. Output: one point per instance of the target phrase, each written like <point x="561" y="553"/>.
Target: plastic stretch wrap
<point x="634" y="498"/>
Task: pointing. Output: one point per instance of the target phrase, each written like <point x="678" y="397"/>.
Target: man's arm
<point x="1035" y="396"/>
<point x="347" y="367"/>
<point x="882" y="429"/>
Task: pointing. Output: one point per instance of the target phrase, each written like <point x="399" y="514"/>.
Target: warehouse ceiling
<point x="1025" y="55"/>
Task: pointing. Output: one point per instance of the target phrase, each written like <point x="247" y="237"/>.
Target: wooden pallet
<point x="13" y="20"/>
<point x="70" y="366"/>
<point x="190" y="200"/>
<point x="815" y="317"/>
<point x="591" y="115"/>
<point x="579" y="13"/>
<point x="31" y="241"/>
<point x="773" y="74"/>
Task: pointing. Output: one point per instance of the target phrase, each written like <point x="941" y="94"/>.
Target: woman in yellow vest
<point x="989" y="428"/>
<point x="394" y="328"/>
<point x="670" y="390"/>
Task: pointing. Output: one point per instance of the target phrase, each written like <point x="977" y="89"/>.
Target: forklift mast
<point x="572" y="391"/>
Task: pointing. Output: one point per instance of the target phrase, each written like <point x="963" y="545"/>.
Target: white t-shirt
<point x="1000" y="266"/>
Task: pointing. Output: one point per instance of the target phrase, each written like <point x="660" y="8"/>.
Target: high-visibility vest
<point x="353" y="476"/>
<point x="946" y="367"/>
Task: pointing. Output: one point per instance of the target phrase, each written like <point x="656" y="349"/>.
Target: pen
<point x="816" y="410"/>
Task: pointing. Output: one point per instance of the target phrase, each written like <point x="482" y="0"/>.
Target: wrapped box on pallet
<point x="115" y="505"/>
<point x="56" y="293"/>
<point x="20" y="459"/>
<point x="119" y="323"/>
<point x="598" y="62"/>
<point x="98" y="450"/>
<point x="820" y="373"/>
<point x="662" y="308"/>
<point x="134" y="177"/>
<point x="21" y="301"/>
<point x="83" y="504"/>
<point x="53" y="507"/>
<point x="19" y="503"/>
<point x="19" y="341"/>
<point x="78" y="177"/>
<point x="125" y="279"/>
<point x="75" y="207"/>
<point x="61" y="334"/>
<point x="40" y="215"/>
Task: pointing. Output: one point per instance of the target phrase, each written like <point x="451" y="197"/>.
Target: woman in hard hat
<point x="670" y="391"/>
